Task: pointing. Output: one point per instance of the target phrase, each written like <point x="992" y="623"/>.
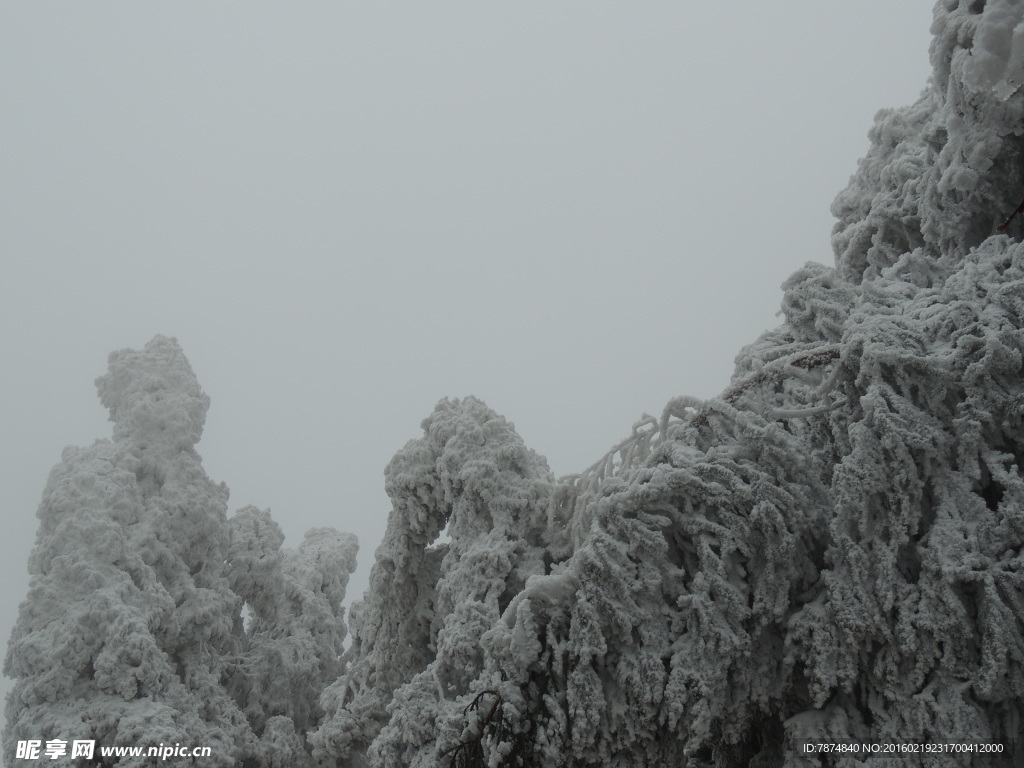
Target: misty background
<point x="574" y="211"/>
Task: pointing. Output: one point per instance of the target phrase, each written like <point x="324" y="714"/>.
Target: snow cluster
<point x="828" y="551"/>
<point x="997" y="56"/>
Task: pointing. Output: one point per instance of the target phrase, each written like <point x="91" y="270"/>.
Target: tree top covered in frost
<point x="943" y="172"/>
<point x="830" y="550"/>
<point x="152" y="394"/>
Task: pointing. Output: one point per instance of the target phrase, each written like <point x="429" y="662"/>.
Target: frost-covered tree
<point x="131" y="633"/>
<point x="293" y="639"/>
<point x="129" y="614"/>
<point x="829" y="550"/>
<point x="417" y="633"/>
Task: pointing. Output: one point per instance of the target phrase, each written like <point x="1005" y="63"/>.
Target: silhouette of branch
<point x="495" y="725"/>
<point x="1020" y="209"/>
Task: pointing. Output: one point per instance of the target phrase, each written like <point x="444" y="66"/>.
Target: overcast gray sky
<point x="573" y="210"/>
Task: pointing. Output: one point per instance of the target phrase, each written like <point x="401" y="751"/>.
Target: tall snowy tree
<point x="128" y="615"/>
<point x="131" y="634"/>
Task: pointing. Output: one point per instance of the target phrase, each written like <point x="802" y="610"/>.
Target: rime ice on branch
<point x="131" y="634"/>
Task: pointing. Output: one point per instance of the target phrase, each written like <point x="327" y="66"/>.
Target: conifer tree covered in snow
<point x="132" y="630"/>
<point x="828" y="551"/>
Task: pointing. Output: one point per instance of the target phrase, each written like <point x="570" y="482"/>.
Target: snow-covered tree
<point x="131" y="634"/>
<point x="293" y="639"/>
<point x="417" y="633"/>
<point x="829" y="550"/>
<point x="129" y="614"/>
